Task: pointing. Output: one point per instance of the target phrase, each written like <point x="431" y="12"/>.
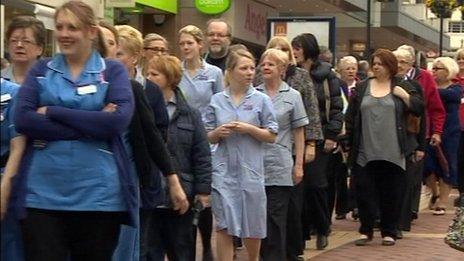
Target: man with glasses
<point x="218" y="37"/>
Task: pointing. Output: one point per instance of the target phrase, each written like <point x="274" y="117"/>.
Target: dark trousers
<point x="167" y="233"/>
<point x="337" y="190"/>
<point x="461" y="165"/>
<point x="295" y="243"/>
<point x="409" y="190"/>
<point x="205" y="226"/>
<point x="417" y="185"/>
<point x="70" y="235"/>
<point x="316" y="212"/>
<point x="273" y="247"/>
<point x="379" y="180"/>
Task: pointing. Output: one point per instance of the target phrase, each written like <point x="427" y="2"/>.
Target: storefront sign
<point x="119" y="3"/>
<point x="212" y="6"/>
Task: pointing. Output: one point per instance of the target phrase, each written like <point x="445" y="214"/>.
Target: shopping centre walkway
<point x="423" y="243"/>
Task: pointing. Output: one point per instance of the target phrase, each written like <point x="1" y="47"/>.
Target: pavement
<point x="423" y="243"/>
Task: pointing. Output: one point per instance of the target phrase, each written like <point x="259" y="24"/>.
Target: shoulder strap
<point x="327" y="99"/>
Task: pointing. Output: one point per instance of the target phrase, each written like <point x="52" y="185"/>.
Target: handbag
<point x="442" y="161"/>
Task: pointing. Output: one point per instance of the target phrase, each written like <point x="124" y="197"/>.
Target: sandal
<point x="439" y="211"/>
<point x="388" y="241"/>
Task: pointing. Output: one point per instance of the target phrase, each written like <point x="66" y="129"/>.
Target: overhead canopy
<point x="164" y="5"/>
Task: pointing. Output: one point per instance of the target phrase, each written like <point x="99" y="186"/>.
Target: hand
<point x="310" y="153"/>
<point x="329" y="145"/>
<point x="5" y="191"/>
<point x="400" y="92"/>
<point x="241" y="127"/>
<point x="110" y="107"/>
<point x="418" y="155"/>
<point x="297" y="174"/>
<point x="42" y="110"/>
<point x="204" y="199"/>
<point x="224" y="130"/>
<point x="435" y="140"/>
<point x="177" y="194"/>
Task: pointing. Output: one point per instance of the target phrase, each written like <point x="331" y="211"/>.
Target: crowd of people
<point x="114" y="149"/>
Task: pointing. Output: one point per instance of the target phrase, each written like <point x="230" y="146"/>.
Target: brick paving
<point x="423" y="243"/>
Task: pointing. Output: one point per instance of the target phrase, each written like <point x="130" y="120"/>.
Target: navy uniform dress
<point x="238" y="193"/>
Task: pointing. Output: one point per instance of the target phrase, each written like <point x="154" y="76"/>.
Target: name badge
<point x="89" y="89"/>
<point x="5" y="97"/>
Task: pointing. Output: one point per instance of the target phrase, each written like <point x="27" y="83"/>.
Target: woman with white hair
<point x="444" y="70"/>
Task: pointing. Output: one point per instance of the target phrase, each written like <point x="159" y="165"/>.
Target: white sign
<point x="119" y="3"/>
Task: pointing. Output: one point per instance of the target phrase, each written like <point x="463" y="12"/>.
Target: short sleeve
<point x="210" y="115"/>
<point x="268" y="117"/>
<point x="299" y="117"/>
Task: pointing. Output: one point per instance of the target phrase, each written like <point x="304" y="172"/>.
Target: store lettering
<point x="255" y="22"/>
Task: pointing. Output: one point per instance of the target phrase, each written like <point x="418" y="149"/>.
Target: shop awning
<point x="164" y="5"/>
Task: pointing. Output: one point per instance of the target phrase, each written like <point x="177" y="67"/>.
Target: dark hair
<point x="86" y="17"/>
<point x="112" y="29"/>
<point x="308" y="43"/>
<point x="24" y="22"/>
<point x="388" y="60"/>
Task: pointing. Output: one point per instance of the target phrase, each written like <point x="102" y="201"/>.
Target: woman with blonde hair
<point x="130" y="51"/>
<point x="300" y="80"/>
<point x="281" y="171"/>
<point x="239" y="120"/>
<point x="200" y="80"/>
<point x="444" y="70"/>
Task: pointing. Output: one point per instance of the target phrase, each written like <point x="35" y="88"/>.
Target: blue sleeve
<point x="100" y="124"/>
<point x="210" y="115"/>
<point x="267" y="116"/>
<point x="219" y="85"/>
<point x="451" y="95"/>
<point x="35" y="125"/>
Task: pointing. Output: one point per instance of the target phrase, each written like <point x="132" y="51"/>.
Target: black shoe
<point x="208" y="256"/>
<point x="399" y="234"/>
<point x="321" y="242"/>
<point x="363" y="240"/>
<point x="340" y="216"/>
<point x="414" y="215"/>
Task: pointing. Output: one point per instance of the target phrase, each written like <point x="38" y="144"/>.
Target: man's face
<point x="218" y="37"/>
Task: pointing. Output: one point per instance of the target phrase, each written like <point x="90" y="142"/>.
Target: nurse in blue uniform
<point x="200" y="80"/>
<point x="76" y="181"/>
<point x="12" y="149"/>
<point x="239" y="119"/>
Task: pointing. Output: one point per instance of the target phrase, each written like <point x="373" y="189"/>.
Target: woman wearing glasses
<point x="444" y="71"/>
<point x="26" y="42"/>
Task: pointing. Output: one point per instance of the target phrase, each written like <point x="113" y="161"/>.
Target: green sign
<point x="165" y="5"/>
<point x="212" y="6"/>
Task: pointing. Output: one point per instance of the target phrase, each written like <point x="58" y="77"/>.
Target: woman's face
<point x="378" y="69"/>
<point x="284" y="49"/>
<point x="189" y="47"/>
<point x="348" y="71"/>
<point x="110" y="42"/>
<point x="157" y="77"/>
<point x="243" y="72"/>
<point x="126" y="57"/>
<point x="460" y="61"/>
<point x="271" y="69"/>
<point x="155" y="47"/>
<point x="23" y="47"/>
<point x="73" y="40"/>
<point x="440" y="73"/>
<point x="299" y="55"/>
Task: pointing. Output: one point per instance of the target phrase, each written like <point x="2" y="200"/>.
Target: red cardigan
<point x="435" y="112"/>
<point x="460" y="80"/>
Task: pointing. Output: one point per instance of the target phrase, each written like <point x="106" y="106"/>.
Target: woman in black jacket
<point x="377" y="138"/>
<point x="316" y="210"/>
<point x="173" y="232"/>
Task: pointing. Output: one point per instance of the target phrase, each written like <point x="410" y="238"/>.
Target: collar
<point x="282" y="88"/>
<point x="95" y="63"/>
<point x="173" y="100"/>
<point x="250" y="91"/>
<point x="202" y="66"/>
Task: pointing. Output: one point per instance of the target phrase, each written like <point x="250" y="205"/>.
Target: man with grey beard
<point x="218" y="37"/>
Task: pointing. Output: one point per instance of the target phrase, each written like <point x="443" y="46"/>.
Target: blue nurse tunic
<point x="238" y="194"/>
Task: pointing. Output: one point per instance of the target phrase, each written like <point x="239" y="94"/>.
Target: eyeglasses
<point x="438" y="68"/>
<point x="25" y="42"/>
<point x="218" y="35"/>
<point x="156" y="49"/>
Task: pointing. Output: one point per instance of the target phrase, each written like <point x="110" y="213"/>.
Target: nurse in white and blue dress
<point x="239" y="119"/>
<point x="12" y="148"/>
